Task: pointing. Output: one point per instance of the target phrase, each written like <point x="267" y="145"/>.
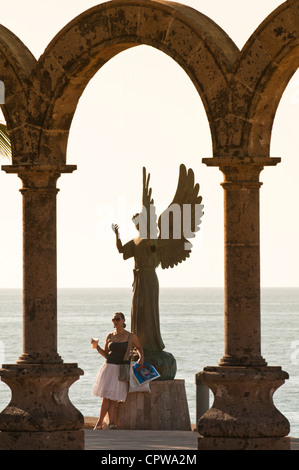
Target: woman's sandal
<point x="97" y="428"/>
<point x="111" y="426"/>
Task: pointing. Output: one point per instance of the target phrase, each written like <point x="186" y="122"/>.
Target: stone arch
<point x="266" y="64"/>
<point x="194" y="41"/>
<point x="16" y="65"/>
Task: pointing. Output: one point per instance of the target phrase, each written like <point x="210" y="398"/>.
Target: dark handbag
<point x="124" y="372"/>
<point x="124" y="368"/>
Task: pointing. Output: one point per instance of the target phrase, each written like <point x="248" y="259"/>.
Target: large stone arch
<point x="79" y="50"/>
<point x="265" y="66"/>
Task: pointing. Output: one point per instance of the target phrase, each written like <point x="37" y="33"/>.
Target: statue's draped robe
<point x="145" y="321"/>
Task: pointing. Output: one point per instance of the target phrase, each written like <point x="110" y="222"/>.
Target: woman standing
<point x="107" y="384"/>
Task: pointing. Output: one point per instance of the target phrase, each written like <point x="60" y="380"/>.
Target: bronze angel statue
<point x="163" y="242"/>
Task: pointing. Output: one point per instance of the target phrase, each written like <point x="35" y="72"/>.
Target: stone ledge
<point x="60" y="440"/>
<point x="231" y="443"/>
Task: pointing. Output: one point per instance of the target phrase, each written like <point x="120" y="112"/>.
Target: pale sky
<point x="141" y="109"/>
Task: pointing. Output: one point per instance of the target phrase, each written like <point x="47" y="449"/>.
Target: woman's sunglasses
<point x="116" y="319"/>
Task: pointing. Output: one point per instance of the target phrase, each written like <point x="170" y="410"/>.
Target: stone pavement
<point x="140" y="440"/>
<point x="146" y="440"/>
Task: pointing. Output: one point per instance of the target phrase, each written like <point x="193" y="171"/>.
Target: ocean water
<point x="192" y="328"/>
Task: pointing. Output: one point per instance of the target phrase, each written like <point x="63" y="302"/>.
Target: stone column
<point x="242" y="264"/>
<point x="40" y="415"/>
<point x="243" y="415"/>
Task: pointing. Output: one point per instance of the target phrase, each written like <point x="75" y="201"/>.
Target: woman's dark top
<point x="116" y="352"/>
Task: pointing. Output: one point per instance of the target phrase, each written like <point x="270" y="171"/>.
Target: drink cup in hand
<point x="94" y="342"/>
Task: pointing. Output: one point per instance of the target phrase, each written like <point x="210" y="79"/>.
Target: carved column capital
<point x="239" y="170"/>
<point x="39" y="176"/>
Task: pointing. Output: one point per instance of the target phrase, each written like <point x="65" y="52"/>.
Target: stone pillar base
<point x="40" y="414"/>
<point x="230" y="443"/>
<point x="165" y="408"/>
<point x="59" y="440"/>
<point x="243" y="415"/>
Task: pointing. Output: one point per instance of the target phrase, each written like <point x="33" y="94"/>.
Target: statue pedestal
<point x="165" y="408"/>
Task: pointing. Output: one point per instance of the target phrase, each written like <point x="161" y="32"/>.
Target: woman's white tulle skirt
<point x="107" y="384"/>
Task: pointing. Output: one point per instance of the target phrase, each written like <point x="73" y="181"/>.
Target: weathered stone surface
<point x="40" y="414"/>
<point x="60" y="440"/>
<point x="243" y="406"/>
<point x="262" y="443"/>
<point x="39" y="400"/>
<point x="242" y="260"/>
<point x="164" y="408"/>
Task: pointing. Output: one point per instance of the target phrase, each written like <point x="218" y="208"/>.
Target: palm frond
<point x="5" y="146"/>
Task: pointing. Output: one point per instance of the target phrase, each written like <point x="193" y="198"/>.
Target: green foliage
<point x="5" y="146"/>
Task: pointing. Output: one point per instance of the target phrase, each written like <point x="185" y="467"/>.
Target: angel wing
<point x="179" y="222"/>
